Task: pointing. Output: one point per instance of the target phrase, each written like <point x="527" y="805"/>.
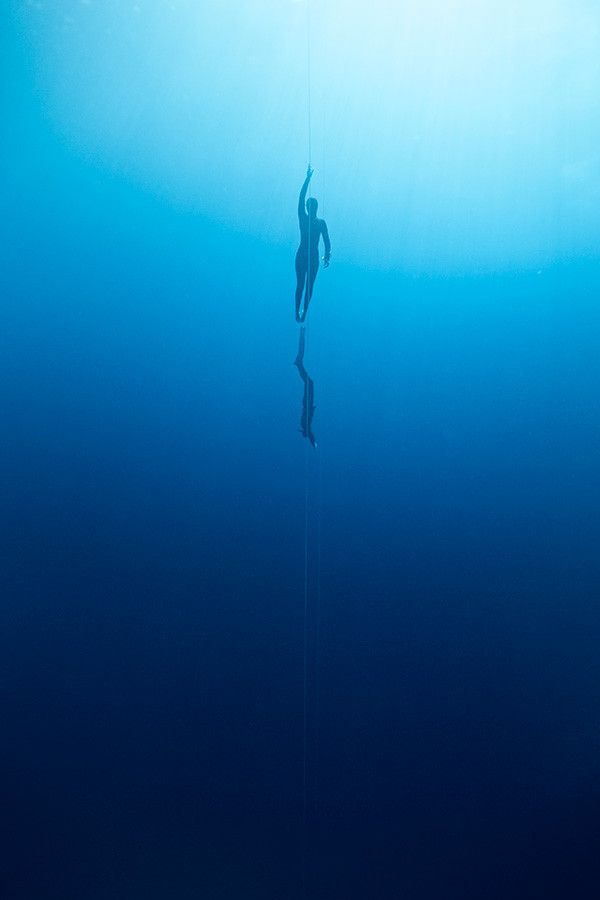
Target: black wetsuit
<point x="307" y="255"/>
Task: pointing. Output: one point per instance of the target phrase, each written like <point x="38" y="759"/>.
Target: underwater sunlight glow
<point x="449" y="136"/>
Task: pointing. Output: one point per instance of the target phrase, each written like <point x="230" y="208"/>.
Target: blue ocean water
<point x="165" y="523"/>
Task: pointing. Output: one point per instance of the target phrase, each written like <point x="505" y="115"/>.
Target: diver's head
<point x="311" y="207"/>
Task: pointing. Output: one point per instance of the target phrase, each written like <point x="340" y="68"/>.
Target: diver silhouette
<point x="308" y="405"/>
<point x="307" y="255"/>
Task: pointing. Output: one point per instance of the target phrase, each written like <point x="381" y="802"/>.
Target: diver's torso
<point x="310" y="232"/>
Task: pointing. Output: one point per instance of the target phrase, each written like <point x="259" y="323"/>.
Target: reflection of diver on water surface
<point x="308" y="406"/>
<point x="307" y="255"/>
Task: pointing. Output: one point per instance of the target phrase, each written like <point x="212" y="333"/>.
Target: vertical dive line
<point x="306" y="498"/>
<point x="308" y="78"/>
<point x="309" y="112"/>
<point x="317" y="651"/>
<point x="305" y="610"/>
<point x="305" y="665"/>
<point x="319" y="511"/>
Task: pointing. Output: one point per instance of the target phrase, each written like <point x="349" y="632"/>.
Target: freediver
<point x="307" y="255"/>
<point x="308" y="398"/>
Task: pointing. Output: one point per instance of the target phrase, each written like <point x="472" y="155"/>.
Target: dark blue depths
<point x="153" y="489"/>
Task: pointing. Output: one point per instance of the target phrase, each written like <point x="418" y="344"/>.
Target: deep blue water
<point x="154" y="484"/>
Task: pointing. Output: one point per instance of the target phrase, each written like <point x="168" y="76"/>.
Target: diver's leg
<point x="300" y="280"/>
<point x="310" y="283"/>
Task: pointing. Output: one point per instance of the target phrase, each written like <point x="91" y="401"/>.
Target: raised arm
<point x="327" y="243"/>
<point x="303" y="190"/>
